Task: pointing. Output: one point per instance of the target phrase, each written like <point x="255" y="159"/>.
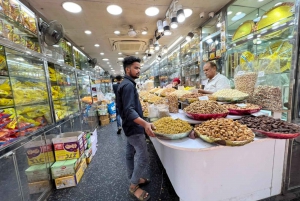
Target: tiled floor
<point x="105" y="178"/>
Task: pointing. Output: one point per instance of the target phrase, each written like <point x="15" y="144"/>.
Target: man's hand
<point x="149" y="129"/>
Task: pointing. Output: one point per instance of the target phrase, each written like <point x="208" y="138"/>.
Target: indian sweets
<point x="168" y="125"/>
<point x="225" y="129"/>
<point x="205" y="107"/>
<point x="269" y="124"/>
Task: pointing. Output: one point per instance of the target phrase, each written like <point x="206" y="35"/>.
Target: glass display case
<point x="163" y="72"/>
<point x="84" y="89"/>
<point x="106" y="85"/>
<point x="174" y="65"/>
<point x="260" y="39"/>
<point x="67" y="52"/>
<point x="81" y="60"/>
<point x="24" y="101"/>
<point x="64" y="91"/>
<point x="18" y="24"/>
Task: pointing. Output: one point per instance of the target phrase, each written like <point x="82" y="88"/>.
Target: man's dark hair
<point x="130" y="60"/>
<point x="213" y="64"/>
<point x="119" y="77"/>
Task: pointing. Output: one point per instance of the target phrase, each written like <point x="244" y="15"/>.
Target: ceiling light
<point x="102" y="53"/>
<point x="174" y="22"/>
<point x="117" y="32"/>
<point x="187" y="12"/>
<point x="180" y="14"/>
<point x="167" y="30"/>
<point x="114" y="9"/>
<point x="238" y="13"/>
<point x="219" y="24"/>
<point x="151" y="11"/>
<point x="136" y="53"/>
<point x="156" y="47"/>
<point x="112" y="70"/>
<point x="160" y="27"/>
<point x="105" y="59"/>
<point x="209" y="40"/>
<point x="97" y="45"/>
<point x="120" y="53"/>
<point x="258" y="36"/>
<point x="238" y="16"/>
<point x="71" y="7"/>
<point x="144" y="31"/>
<point x="120" y="58"/>
<point x="165" y="49"/>
<point x="229" y="12"/>
<point x="216" y="42"/>
<point x="189" y="36"/>
<point x="260" y="0"/>
<point x="87" y="32"/>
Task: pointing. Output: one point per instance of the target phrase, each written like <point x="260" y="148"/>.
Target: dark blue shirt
<point x="129" y="106"/>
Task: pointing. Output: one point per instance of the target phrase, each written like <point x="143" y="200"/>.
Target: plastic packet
<point x="245" y="78"/>
<point x="152" y="111"/>
<point x="163" y="110"/>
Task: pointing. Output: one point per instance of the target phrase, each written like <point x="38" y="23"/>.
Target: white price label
<point x="240" y="73"/>
<point x="203" y="98"/>
<point x="260" y="113"/>
<point x="261" y="73"/>
<point x="241" y="105"/>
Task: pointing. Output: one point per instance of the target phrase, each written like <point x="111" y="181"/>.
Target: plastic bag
<point x="111" y="108"/>
<point x="152" y="111"/>
<point x="163" y="110"/>
<point x="173" y="103"/>
<point x="245" y="79"/>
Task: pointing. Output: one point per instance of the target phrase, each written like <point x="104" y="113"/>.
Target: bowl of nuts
<point x="225" y="132"/>
<point x="270" y="127"/>
<point x="171" y="129"/>
<point x="205" y="110"/>
<point x="230" y="95"/>
<point x="242" y="109"/>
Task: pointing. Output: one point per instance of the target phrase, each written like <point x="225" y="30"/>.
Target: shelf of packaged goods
<point x="54" y="83"/>
<point x="70" y="116"/>
<point x="24" y="78"/>
<point x="33" y="103"/>
<point x="18" y="26"/>
<point x="260" y="34"/>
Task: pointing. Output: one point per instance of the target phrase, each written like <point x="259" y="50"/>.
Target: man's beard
<point x="134" y="76"/>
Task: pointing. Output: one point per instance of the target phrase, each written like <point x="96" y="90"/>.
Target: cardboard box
<point x="37" y="173"/>
<point x="69" y="181"/>
<point x="64" y="168"/>
<point x="39" y="187"/>
<point x="68" y="146"/>
<point x="104" y="122"/>
<point x="89" y="159"/>
<point x="104" y="117"/>
<point x="38" y="152"/>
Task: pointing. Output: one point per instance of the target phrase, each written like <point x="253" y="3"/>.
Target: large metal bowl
<point x="172" y="136"/>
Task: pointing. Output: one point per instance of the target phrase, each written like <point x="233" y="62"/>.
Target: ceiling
<point x="95" y="18"/>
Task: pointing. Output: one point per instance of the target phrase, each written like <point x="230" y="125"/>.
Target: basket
<point x="243" y="111"/>
<point x="172" y="136"/>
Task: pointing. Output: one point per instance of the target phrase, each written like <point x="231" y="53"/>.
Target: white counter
<point x="200" y="171"/>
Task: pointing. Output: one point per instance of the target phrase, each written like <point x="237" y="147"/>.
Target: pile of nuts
<point x="225" y="129"/>
<point x="205" y="107"/>
<point x="158" y="91"/>
<point x="154" y="90"/>
<point x="161" y="101"/>
<point x="246" y="82"/>
<point x="153" y="98"/>
<point x="192" y="95"/>
<point x="180" y="93"/>
<point x="269" y="124"/>
<point x="168" y="125"/>
<point x="143" y="93"/>
<point x="246" y="106"/>
<point x="268" y="97"/>
<point x="173" y="103"/>
<point x="167" y="91"/>
<point x="144" y="105"/>
<point x="230" y="93"/>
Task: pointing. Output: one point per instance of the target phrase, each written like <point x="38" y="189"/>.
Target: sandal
<point x="147" y="181"/>
<point x="142" y="196"/>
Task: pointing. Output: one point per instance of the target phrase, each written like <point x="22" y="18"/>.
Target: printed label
<point x="203" y="98"/>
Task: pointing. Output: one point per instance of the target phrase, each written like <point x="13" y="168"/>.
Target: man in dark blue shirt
<point x="134" y="127"/>
<point x="115" y="88"/>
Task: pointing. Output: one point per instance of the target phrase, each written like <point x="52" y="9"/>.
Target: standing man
<point x="134" y="127"/>
<point x="216" y="81"/>
<point x="115" y="88"/>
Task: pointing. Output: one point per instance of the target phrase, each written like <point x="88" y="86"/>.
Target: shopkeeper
<point x="174" y="84"/>
<point x="216" y="81"/>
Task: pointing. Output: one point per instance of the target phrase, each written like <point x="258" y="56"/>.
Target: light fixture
<point x="117" y="32"/>
<point x="120" y="53"/>
<point x="101" y="53"/>
<point x="209" y="41"/>
<point x="151" y="11"/>
<point x="160" y="27"/>
<point x="174" y="22"/>
<point x="219" y="24"/>
<point x="71" y="7"/>
<point x="120" y="58"/>
<point x="167" y="30"/>
<point x="260" y="0"/>
<point x="180" y="14"/>
<point x="187" y="12"/>
<point x="229" y="12"/>
<point x="216" y="42"/>
<point x="112" y="70"/>
<point x="165" y="50"/>
<point x="136" y="53"/>
<point x="97" y="45"/>
<point x="189" y="36"/>
<point x="114" y="9"/>
<point x="158" y="57"/>
<point x="105" y="59"/>
<point x="87" y="32"/>
<point x="156" y="46"/>
<point x="238" y="13"/>
<point x="144" y="31"/>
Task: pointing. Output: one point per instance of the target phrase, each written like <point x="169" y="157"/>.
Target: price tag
<point x="261" y="73"/>
<point x="203" y="98"/>
<point x="240" y="73"/>
<point x="241" y="105"/>
<point x="260" y="113"/>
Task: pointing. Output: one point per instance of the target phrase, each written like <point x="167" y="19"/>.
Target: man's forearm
<point x="204" y="91"/>
<point x="140" y="121"/>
